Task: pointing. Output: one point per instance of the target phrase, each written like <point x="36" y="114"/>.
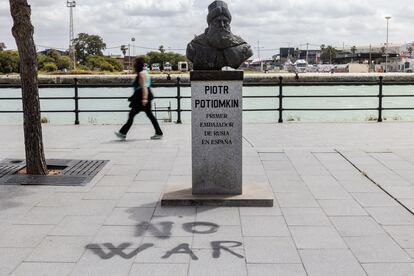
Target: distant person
<point x="140" y="101"/>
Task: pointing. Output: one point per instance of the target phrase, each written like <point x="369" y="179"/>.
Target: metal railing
<point x="279" y="96"/>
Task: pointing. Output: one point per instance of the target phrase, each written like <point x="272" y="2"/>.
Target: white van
<point x="182" y="66"/>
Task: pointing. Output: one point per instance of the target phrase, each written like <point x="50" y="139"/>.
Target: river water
<point x="250" y="117"/>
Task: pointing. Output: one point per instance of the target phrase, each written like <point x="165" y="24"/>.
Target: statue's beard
<point x="219" y="38"/>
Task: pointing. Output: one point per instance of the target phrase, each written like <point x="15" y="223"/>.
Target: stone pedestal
<point x="217" y="106"/>
<point x="216" y="128"/>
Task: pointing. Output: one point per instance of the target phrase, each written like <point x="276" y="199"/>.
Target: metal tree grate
<point x="74" y="173"/>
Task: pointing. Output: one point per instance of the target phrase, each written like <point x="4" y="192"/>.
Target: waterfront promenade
<point x="344" y="197"/>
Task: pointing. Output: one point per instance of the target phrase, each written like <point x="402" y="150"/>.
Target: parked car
<point x="183" y="66"/>
<point x="167" y="66"/>
<point x="155" y="67"/>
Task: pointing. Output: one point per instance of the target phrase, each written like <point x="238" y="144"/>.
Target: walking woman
<point x="140" y="101"/>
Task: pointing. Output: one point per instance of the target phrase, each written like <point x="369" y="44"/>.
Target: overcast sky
<point x="173" y="23"/>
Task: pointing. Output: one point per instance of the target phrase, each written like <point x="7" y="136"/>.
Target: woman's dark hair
<point x="139" y="64"/>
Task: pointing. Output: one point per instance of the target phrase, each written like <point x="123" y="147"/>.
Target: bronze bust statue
<point x="218" y="47"/>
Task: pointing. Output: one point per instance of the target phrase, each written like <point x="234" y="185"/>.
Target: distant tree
<point x="383" y="49"/>
<point x="102" y="63"/>
<point x="328" y="54"/>
<point x="88" y="45"/>
<point x="353" y="51"/>
<point x="296" y="53"/>
<point x="22" y="31"/>
<point x="161" y="49"/>
<point x="64" y="62"/>
<point x="50" y="67"/>
<point x="323" y="46"/>
<point x="410" y="50"/>
<point x="158" y="57"/>
<point x="2" y="46"/>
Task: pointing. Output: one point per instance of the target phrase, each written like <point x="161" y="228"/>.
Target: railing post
<point x="280" y="100"/>
<point x="380" y="96"/>
<point x="76" y="102"/>
<point x="178" y="101"/>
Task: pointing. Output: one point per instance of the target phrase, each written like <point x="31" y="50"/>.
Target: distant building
<point x="286" y="52"/>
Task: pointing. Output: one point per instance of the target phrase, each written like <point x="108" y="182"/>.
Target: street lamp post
<point x="133" y="46"/>
<point x="386" y="46"/>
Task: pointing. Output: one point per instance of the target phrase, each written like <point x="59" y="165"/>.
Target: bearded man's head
<point x="218" y="32"/>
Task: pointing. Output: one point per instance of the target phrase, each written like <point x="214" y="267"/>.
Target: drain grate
<point x="75" y="172"/>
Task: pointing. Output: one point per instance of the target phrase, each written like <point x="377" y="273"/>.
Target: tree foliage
<point x="2" y="46"/>
<point x="53" y="57"/>
<point x="88" y="45"/>
<point x="328" y="53"/>
<point x="162" y="57"/>
<point x="9" y="62"/>
<point x="102" y="63"/>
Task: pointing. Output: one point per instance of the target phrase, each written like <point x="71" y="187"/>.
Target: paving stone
<point x="59" y="249"/>
<point x="264" y="226"/>
<point x="116" y="180"/>
<point x="175" y="211"/>
<point x="61" y="200"/>
<point x="92" y="208"/>
<point x="305" y="216"/>
<point x="158" y="269"/>
<point x="395" y="269"/>
<point x="44" y="269"/>
<point x="225" y="265"/>
<point x="42" y="215"/>
<point x="391" y="215"/>
<point x="10" y="258"/>
<point x="24" y="235"/>
<point x="92" y="264"/>
<point x="78" y="226"/>
<point x="139" y="200"/>
<point x="116" y="235"/>
<point x="275" y="270"/>
<point x="223" y="233"/>
<point x="376" y="249"/>
<point x="296" y="199"/>
<point x="342" y="208"/>
<point x="105" y="192"/>
<point x="316" y="237"/>
<point x="172" y="226"/>
<point x="129" y="216"/>
<point x="122" y="170"/>
<point x="287" y="186"/>
<point x="261" y="211"/>
<point x="146" y="187"/>
<point x="267" y="250"/>
<point x="406" y="192"/>
<point x="359" y="186"/>
<point x="375" y="199"/>
<point x="330" y="262"/>
<point x="152" y="175"/>
<point x="356" y="226"/>
<point x="403" y="235"/>
<point x="220" y="216"/>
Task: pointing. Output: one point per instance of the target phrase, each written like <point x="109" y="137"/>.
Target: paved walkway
<point x="344" y="197"/>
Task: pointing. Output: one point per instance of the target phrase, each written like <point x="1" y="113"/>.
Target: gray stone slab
<point x="316" y="237"/>
<point x="59" y="249"/>
<point x="220" y="216"/>
<point x="305" y="216"/>
<point x="377" y="249"/>
<point x="330" y="262"/>
<point x="391" y="215"/>
<point x="24" y="235"/>
<point x="342" y="207"/>
<point x="216" y="119"/>
<point x="253" y="196"/>
<point x="129" y="216"/>
<point x="356" y="226"/>
<point x="375" y="199"/>
<point x="44" y="269"/>
<point x="116" y="235"/>
<point x="93" y="264"/>
<point x="296" y="199"/>
<point x="223" y="233"/>
<point x="384" y="269"/>
<point x="158" y="269"/>
<point x="268" y="250"/>
<point x="276" y="269"/>
<point x="403" y="235"/>
<point x="78" y="226"/>
<point x="10" y="258"/>
<point x="264" y="226"/>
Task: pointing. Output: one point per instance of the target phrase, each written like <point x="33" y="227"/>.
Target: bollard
<point x="76" y="102"/>
<point x="178" y="101"/>
<point x="380" y="96"/>
<point x="280" y="100"/>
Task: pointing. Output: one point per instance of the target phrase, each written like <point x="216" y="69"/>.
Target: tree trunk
<point x="23" y="34"/>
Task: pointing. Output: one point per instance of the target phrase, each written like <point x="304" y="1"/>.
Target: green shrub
<point x="49" y="67"/>
<point x="63" y="62"/>
<point x="9" y="62"/>
<point x="102" y="63"/>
